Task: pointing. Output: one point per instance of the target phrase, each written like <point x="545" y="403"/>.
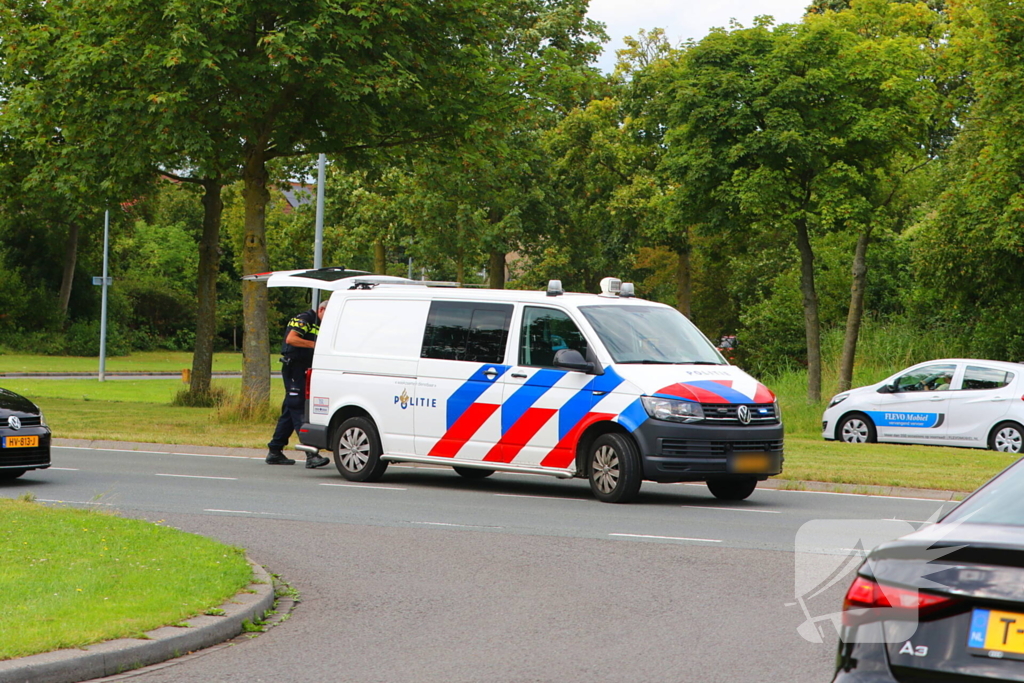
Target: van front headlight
<point x="672" y="410"/>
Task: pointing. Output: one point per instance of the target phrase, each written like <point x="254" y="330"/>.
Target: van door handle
<point x="490" y="373"/>
<point x="519" y="375"/>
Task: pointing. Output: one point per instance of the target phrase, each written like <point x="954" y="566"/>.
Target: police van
<point x="604" y="386"/>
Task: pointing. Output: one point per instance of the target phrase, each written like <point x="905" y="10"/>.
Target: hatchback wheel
<point x="1007" y="437"/>
<point x="357" y="450"/>
<point x="856" y="428"/>
<point x="11" y="475"/>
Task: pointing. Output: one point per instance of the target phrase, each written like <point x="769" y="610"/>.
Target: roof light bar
<point x="555" y="288"/>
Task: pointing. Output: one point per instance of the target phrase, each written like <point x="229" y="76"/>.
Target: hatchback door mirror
<point x="571" y="359"/>
<point x="888" y="389"/>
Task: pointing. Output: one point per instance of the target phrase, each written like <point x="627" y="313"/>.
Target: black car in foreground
<point x="945" y="603"/>
<point x="24" y="436"/>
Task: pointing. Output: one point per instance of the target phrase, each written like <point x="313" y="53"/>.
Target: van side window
<point x="977" y="377"/>
<point x="461" y="330"/>
<point x="545" y="331"/>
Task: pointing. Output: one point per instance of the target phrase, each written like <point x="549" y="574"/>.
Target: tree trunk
<point x="683" y="284"/>
<point x="812" y="328"/>
<point x="460" y="267"/>
<point x="380" y="264"/>
<point x="856" y="313"/>
<point x="496" y="270"/>
<point x="255" y="302"/>
<point x="206" y="289"/>
<point x="70" y="258"/>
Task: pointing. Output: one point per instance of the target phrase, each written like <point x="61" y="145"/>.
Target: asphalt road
<point x="428" y="577"/>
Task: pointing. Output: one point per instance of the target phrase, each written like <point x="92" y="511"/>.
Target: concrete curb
<point x="861" y="489"/>
<point x="117" y="656"/>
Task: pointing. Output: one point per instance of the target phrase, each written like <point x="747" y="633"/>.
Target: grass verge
<point x="142" y="361"/>
<point x="70" y="577"/>
<point x="924" y="467"/>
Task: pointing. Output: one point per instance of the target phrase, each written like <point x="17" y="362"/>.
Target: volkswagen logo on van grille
<point x="743" y="414"/>
<point x="13" y="422"/>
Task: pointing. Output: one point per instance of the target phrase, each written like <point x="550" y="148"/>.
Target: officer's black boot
<point x="314" y="460"/>
<point x="276" y="457"/>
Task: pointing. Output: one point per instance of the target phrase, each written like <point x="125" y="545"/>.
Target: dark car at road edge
<point x="24" y="436"/>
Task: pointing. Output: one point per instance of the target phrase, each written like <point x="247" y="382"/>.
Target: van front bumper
<point x="673" y="451"/>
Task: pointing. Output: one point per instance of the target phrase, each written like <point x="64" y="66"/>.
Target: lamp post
<point x="103" y="298"/>
<point x="318" y="240"/>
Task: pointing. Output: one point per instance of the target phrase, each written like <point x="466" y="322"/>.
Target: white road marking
<point x="450" y="524"/>
<point x="519" y="495"/>
<point x="71" y="502"/>
<point x="239" y="512"/>
<point x="368" y="486"/>
<point x="715" y="507"/>
<point x="669" y="538"/>
<point x="196" y="476"/>
<point x="66" y="469"/>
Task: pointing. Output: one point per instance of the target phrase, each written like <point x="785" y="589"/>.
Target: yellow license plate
<point x="995" y="630"/>
<point x="21" y="441"/>
<point x="748" y="463"/>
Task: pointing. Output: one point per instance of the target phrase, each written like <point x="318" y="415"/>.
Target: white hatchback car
<point x="952" y="402"/>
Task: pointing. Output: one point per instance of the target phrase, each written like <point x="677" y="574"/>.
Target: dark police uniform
<point x="295" y="362"/>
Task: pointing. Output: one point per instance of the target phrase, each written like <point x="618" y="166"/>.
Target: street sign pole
<point x="103" y="304"/>
<point x="318" y="241"/>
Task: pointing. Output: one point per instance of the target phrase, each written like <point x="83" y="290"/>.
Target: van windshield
<point x="650" y="334"/>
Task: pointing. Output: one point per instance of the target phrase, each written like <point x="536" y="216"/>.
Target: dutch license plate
<point x="748" y="463"/>
<point x="992" y="630"/>
<point x="21" y="441"/>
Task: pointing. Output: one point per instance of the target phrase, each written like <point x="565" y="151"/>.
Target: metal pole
<point x="318" y="240"/>
<point x="103" y="304"/>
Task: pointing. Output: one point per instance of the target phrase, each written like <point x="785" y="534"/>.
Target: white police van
<point x="606" y="387"/>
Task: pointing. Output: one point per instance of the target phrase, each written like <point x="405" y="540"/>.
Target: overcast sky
<point x="682" y="19"/>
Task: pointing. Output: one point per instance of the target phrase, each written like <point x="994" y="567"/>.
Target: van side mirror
<point x="571" y="359"/>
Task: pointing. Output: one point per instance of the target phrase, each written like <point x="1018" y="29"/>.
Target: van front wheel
<point x="732" y="488"/>
<point x="357" y="450"/>
<point x="614" y="468"/>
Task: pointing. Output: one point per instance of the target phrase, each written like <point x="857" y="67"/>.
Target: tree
<point x="269" y="80"/>
<point x="787" y="128"/>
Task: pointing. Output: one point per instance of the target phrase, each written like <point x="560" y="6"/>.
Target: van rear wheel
<point x="614" y="468"/>
<point x="357" y="450"/>
<point x="473" y="472"/>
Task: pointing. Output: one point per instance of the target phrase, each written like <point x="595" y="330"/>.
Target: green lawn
<point x="812" y="458"/>
<point x="143" y="361"/>
<point x="70" y="577"/>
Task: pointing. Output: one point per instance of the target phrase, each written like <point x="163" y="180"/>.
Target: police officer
<point x="296" y="359"/>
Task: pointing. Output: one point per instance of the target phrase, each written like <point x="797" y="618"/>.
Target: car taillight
<point x="869" y="600"/>
<point x="309" y="378"/>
